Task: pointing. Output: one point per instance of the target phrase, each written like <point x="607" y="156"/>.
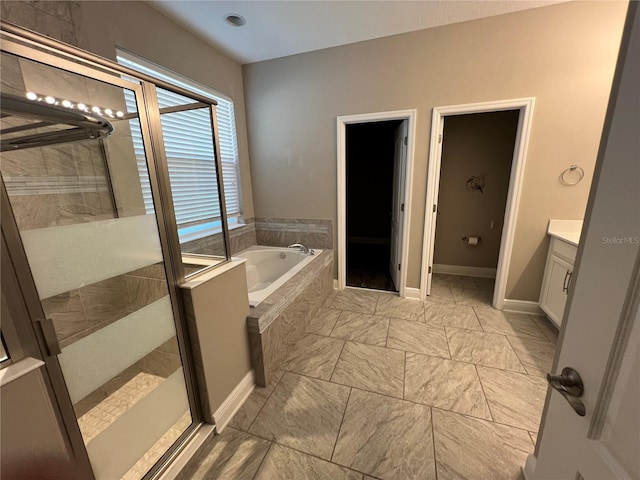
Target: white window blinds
<point x="189" y="149"/>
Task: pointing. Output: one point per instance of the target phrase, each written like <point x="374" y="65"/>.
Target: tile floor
<point x="388" y="388"/>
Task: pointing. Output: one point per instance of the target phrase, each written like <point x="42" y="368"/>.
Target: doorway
<point x="477" y="150"/>
<point x="476" y="183"/>
<point x="375" y="154"/>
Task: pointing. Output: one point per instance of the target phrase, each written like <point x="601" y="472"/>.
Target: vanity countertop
<point x="566" y="230"/>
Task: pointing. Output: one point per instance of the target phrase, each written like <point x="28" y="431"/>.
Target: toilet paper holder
<point x="465" y="238"/>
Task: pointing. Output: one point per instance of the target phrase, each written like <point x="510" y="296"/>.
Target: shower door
<point x="95" y="264"/>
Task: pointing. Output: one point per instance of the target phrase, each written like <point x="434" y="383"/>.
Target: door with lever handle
<point x="569" y="384"/>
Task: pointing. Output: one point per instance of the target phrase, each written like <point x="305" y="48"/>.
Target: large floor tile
<point x="481" y="348"/>
<point x="232" y="455"/>
<point x="303" y="413"/>
<point x="243" y="419"/>
<point x="324" y="321"/>
<point x="355" y="301"/>
<point x="451" y="315"/>
<point x="472" y="449"/>
<point x="386" y="438"/>
<point x="472" y="297"/>
<point x="535" y="355"/>
<point x="397" y="307"/>
<point x="453" y="281"/>
<point x="445" y="384"/>
<point x="314" y="355"/>
<point x="441" y="293"/>
<point x="549" y="329"/>
<point x="371" y="368"/>
<point x="362" y="327"/>
<point x="418" y="337"/>
<point x="516" y="324"/>
<point x="514" y="399"/>
<point x="282" y="463"/>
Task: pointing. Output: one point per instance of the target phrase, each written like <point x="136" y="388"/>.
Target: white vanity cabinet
<point x="557" y="278"/>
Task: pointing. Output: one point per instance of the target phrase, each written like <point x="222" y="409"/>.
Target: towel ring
<point x="572" y="168"/>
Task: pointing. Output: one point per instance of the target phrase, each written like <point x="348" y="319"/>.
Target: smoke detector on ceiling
<point x="235" y="20"/>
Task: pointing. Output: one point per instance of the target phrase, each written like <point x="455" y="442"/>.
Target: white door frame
<point x="525" y="105"/>
<point x="342" y="122"/>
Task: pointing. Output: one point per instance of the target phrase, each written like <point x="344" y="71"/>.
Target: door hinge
<point x="405" y="140"/>
<point x="399" y="266"/>
<point x="429" y="269"/>
<point x="434" y="208"/>
<point x="402" y="207"/>
<point x="440" y="138"/>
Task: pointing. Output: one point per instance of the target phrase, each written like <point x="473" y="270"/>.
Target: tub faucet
<point x="303" y="249"/>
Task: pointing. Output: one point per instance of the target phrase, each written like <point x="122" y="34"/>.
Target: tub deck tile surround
<point x="409" y="415"/>
<point x="282" y="318"/>
<point x="282" y="232"/>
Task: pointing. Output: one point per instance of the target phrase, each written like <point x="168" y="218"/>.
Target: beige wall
<point x="564" y="55"/>
<point x="100" y="27"/>
<point x="217" y="310"/>
<point x="474" y="145"/>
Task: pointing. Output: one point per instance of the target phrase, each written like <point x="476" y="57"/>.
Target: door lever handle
<point x="569" y="385"/>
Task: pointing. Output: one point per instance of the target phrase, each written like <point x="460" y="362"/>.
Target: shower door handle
<point x="50" y="337"/>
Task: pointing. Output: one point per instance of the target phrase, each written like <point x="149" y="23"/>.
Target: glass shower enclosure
<point x="89" y="224"/>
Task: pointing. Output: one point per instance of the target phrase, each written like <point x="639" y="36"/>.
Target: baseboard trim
<point x="465" y="271"/>
<point x="234" y="401"/>
<point x="522" y="306"/>
<point x="529" y="468"/>
<point x="335" y="283"/>
<point x="410" y="292"/>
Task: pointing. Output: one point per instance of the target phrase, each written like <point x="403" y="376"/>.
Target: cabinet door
<point x="555" y="296"/>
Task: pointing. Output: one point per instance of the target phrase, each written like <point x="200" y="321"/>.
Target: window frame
<point x="208" y="227"/>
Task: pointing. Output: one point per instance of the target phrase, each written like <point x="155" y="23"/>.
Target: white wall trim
<point x="464" y="271"/>
<point x="410" y="292"/>
<point x="522" y="306"/>
<point x="525" y="105"/>
<point x="234" y="401"/>
<point x="335" y="283"/>
<point x="342" y="122"/>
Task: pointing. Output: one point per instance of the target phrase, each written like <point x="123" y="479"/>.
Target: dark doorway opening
<point x="372" y="180"/>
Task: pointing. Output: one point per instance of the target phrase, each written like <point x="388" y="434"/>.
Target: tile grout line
<point x="334" y="325"/>
<point x="263" y="459"/>
<point x="404" y="375"/>
<point x="265" y="402"/>
<point x="526" y="372"/>
<point x="336" y="364"/>
<point x="433" y="441"/>
<point x="274" y="441"/>
<point x="344" y="413"/>
<point x="486" y="399"/>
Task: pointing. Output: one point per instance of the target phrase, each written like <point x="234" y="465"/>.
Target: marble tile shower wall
<point x="83" y="311"/>
<point x="282" y="232"/>
<point x="55" y="185"/>
<point x="54" y="19"/>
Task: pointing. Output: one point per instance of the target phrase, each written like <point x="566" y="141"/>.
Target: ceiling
<point x="279" y="28"/>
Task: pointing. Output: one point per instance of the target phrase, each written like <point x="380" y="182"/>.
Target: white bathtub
<point x="270" y="267"/>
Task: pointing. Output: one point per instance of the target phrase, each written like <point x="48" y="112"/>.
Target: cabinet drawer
<point x="563" y="250"/>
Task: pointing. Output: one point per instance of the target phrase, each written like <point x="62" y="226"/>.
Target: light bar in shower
<point x="50" y="100"/>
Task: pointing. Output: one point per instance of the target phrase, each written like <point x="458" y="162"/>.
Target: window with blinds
<point x="189" y="149"/>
